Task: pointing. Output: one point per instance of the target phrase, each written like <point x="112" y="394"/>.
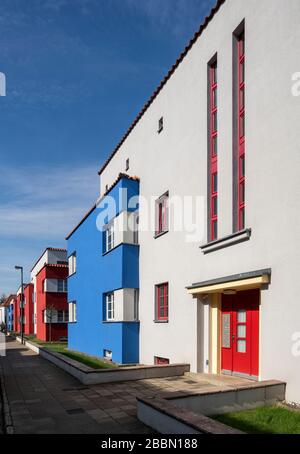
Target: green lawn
<point x="62" y="347"/>
<point x="264" y="420"/>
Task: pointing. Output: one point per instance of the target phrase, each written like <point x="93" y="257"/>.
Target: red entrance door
<point x="240" y="333"/>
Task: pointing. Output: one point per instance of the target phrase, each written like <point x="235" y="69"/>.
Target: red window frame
<point x="241" y="132"/>
<point x="162" y="301"/>
<point x="162" y="215"/>
<point x="213" y="151"/>
<point x="160" y="361"/>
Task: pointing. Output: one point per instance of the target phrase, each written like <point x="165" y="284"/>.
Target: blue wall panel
<point x="97" y="274"/>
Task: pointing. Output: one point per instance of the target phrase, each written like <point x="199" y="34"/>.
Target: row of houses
<point x="45" y="304"/>
<point x="190" y="254"/>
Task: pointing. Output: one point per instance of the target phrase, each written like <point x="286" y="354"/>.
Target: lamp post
<point x="20" y="268"/>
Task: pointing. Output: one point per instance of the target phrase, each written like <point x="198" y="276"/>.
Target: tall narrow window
<point x="213" y="151"/>
<point x="72" y="312"/>
<point x="62" y="285"/>
<point x="161" y="221"/>
<point x="241" y="132"/>
<point x="72" y="263"/>
<point x="239" y="129"/>
<point x="110" y="307"/>
<point x="162" y="302"/>
<point x="136" y="304"/>
<point x="110" y="238"/>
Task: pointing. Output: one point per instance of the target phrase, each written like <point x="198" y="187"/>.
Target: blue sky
<point x="77" y="73"/>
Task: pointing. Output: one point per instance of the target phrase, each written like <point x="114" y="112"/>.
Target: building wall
<point x="50" y="256"/>
<point x="176" y="160"/>
<point x="53" y="300"/>
<point x="28" y="309"/>
<point x="10" y="316"/>
<point x="98" y="274"/>
<point x="2" y="315"/>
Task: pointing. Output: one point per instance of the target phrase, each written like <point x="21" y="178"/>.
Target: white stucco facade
<point x="2" y="315"/>
<point x="176" y="161"/>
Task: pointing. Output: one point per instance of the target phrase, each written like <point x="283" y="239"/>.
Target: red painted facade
<point x="28" y="309"/>
<point x="17" y="314"/>
<point x="50" y="299"/>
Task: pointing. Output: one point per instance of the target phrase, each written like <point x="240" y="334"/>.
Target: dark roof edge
<point x="203" y="26"/>
<point x="120" y="177"/>
<point x="233" y="277"/>
<point x="81" y="221"/>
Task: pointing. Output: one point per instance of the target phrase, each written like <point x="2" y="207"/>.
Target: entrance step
<point x="189" y="411"/>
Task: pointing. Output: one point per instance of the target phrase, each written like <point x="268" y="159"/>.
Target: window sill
<point x="226" y="241"/>
<point x="158" y="235"/>
<point x="161" y="321"/>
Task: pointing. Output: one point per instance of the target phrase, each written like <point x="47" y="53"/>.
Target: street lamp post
<point x="20" y="268"/>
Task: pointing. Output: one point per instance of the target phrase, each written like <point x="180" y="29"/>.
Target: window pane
<point x="215" y="182"/>
<point x="241" y="346"/>
<point x="242" y="166"/>
<point x="214" y="121"/>
<point x="242" y="125"/>
<point x="242" y="97"/>
<point x="215" y="206"/>
<point x="214" y="145"/>
<point x="241" y="316"/>
<point x="241" y="331"/>
<point x="242" y="71"/>
<point x="214" y="230"/>
<point x="242" y="218"/>
<point x="60" y="285"/>
<point x="242" y="192"/>
<point x="215" y="98"/>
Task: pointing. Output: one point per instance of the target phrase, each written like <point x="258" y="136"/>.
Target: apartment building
<point x="3" y="313"/>
<point x="216" y="147"/>
<point x="17" y="323"/>
<point x="104" y="277"/>
<point x="28" y="310"/>
<point x="10" y="302"/>
<point x="48" y="288"/>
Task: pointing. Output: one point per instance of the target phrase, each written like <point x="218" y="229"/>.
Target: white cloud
<point x="38" y="207"/>
<point x="45" y="201"/>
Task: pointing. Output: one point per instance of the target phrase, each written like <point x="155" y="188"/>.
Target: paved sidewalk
<point x="45" y="399"/>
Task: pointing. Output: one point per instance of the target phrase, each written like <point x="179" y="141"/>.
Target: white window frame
<point x="136" y="304"/>
<point x="65" y="316"/>
<point x="109" y="238"/>
<point x="110" y="306"/>
<point x="72" y="312"/>
<point x="72" y="261"/>
<point x="64" y="285"/>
